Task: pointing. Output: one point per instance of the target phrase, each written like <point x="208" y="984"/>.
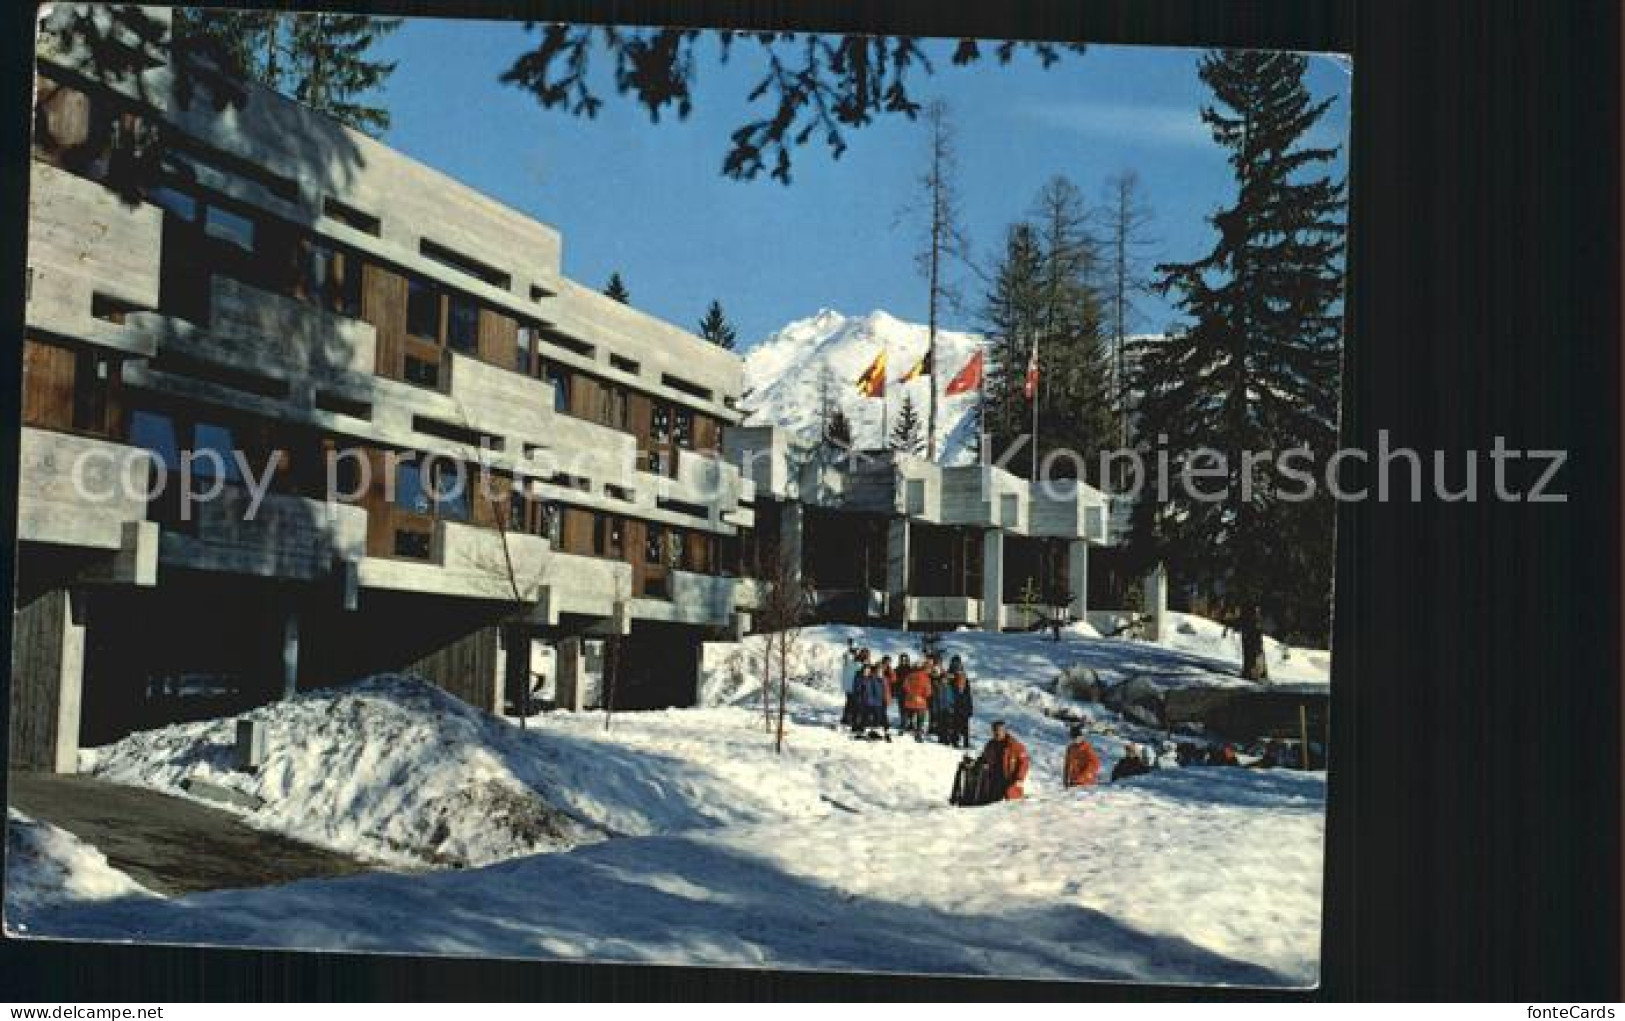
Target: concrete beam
<point x="897" y="560"/>
<point x="1154" y="600"/>
<point x="570" y="665"/>
<point x="992" y="580"/>
<point x="1077" y="577"/>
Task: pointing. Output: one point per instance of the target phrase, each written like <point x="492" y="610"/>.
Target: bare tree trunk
<point x="784" y="690"/>
<point x="1254" y="667"/>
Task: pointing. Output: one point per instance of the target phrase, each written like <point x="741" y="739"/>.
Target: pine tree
<point x="1044" y="291"/>
<point x="329" y="68"/>
<point x="838" y="431"/>
<point x="1256" y="369"/>
<point x="1012" y="312"/>
<point x="616" y="288"/>
<point x="1075" y="401"/>
<point x="716" y="328"/>
<point x="906" y="434"/>
<point x="320" y="59"/>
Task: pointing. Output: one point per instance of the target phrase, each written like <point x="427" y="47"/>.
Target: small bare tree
<point x="781" y="609"/>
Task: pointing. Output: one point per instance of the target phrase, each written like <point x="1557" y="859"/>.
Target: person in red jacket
<point x="1082" y="766"/>
<point x="1007" y="762"/>
<point x="916" y="699"/>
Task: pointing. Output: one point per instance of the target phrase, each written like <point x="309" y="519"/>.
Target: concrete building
<point x="298" y="409"/>
<point x="887" y="537"/>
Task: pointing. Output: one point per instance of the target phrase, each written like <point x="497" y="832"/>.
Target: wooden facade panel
<point x="47" y="385"/>
<point x="576" y="532"/>
<point x="383" y="304"/>
<point x="499" y="338"/>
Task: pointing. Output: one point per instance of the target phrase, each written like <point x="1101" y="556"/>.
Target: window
<point x="93" y="375"/>
<point x="157" y="433"/>
<point x="548" y="522"/>
<point x="560" y="378"/>
<point x="218" y="440"/>
<point x="232" y="228"/>
<point x="422" y="309"/>
<point x="623" y="364"/>
<point x="617" y="412"/>
<point x="450" y="492"/>
<point x="683" y="427"/>
<point x="414" y="544"/>
<point x="462" y="323"/>
<point x="422" y="372"/>
<point x="524" y="349"/>
<point x="608" y="538"/>
<point x="411" y="491"/>
<point x="175" y="202"/>
<point x="660" y="423"/>
<point x="654" y="546"/>
<point x="332" y="279"/>
<point x="350" y="216"/>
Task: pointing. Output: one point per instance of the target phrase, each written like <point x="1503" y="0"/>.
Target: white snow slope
<point x="782" y="374"/>
<point x="49" y="868"/>
<point x="835" y="854"/>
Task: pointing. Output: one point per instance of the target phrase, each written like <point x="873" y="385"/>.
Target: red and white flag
<point x="1031" y="389"/>
<point x="969" y="378"/>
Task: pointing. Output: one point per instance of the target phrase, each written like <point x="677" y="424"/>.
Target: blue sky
<point x="650" y="201"/>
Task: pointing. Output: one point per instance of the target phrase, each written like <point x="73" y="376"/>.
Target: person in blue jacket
<point x="871" y="694"/>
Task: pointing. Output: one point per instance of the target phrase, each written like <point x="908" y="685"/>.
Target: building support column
<point x="570" y="666"/>
<point x="790" y="553"/>
<point x="47" y="682"/>
<point x="897" y="559"/>
<point x="1077" y="577"/>
<point x="1154" y="600"/>
<point x="290" y="652"/>
<point x="993" y="580"/>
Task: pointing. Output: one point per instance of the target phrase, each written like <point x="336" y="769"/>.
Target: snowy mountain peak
<point x="783" y="372"/>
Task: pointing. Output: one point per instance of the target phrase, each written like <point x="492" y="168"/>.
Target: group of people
<point x="1082" y="765"/>
<point x="932" y="700"/>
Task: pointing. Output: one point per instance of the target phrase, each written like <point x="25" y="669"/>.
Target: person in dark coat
<point x="904" y="668"/>
<point x="959" y="708"/>
<point x="1130" y="765"/>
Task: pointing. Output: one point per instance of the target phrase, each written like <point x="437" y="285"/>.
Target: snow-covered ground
<point x="682" y="836"/>
<point x="1191" y="876"/>
<point x="48" y="868"/>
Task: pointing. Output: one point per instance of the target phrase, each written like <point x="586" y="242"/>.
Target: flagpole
<point x="1038" y="387"/>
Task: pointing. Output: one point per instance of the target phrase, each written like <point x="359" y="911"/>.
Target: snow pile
<point x="1187" y="632"/>
<point x="49" y="868"/>
<point x="1186" y="876"/>
<point x="392" y="769"/>
<point x="783" y="371"/>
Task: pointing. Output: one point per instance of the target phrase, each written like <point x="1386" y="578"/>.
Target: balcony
<point x="79" y="491"/>
<point x="287" y="537"/>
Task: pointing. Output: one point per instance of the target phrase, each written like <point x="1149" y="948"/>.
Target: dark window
<point x="519" y="517"/>
<point x="660" y="423"/>
<point x="412" y="544"/>
<point x="683" y="427"/>
<point x="654" y="546"/>
<point x="624" y="364"/>
<point x="548" y="520"/>
<point x="462" y="323"/>
<point x="422" y="372"/>
<point x="422" y="309"/>
<point x="350" y="216"/>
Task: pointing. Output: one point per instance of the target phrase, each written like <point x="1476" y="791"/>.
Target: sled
<point x="970" y="784"/>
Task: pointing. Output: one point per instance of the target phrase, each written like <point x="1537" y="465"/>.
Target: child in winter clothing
<point x="1082" y="766"/>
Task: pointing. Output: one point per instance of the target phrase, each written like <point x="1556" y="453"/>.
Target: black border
<point x="1474" y="829"/>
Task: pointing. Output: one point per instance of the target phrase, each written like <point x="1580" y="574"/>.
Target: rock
<point x="209" y="791"/>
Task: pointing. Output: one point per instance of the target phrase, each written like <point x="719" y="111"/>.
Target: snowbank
<point x="391" y="769"/>
<point x="48" y="868"/>
<point x="1188" y="876"/>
